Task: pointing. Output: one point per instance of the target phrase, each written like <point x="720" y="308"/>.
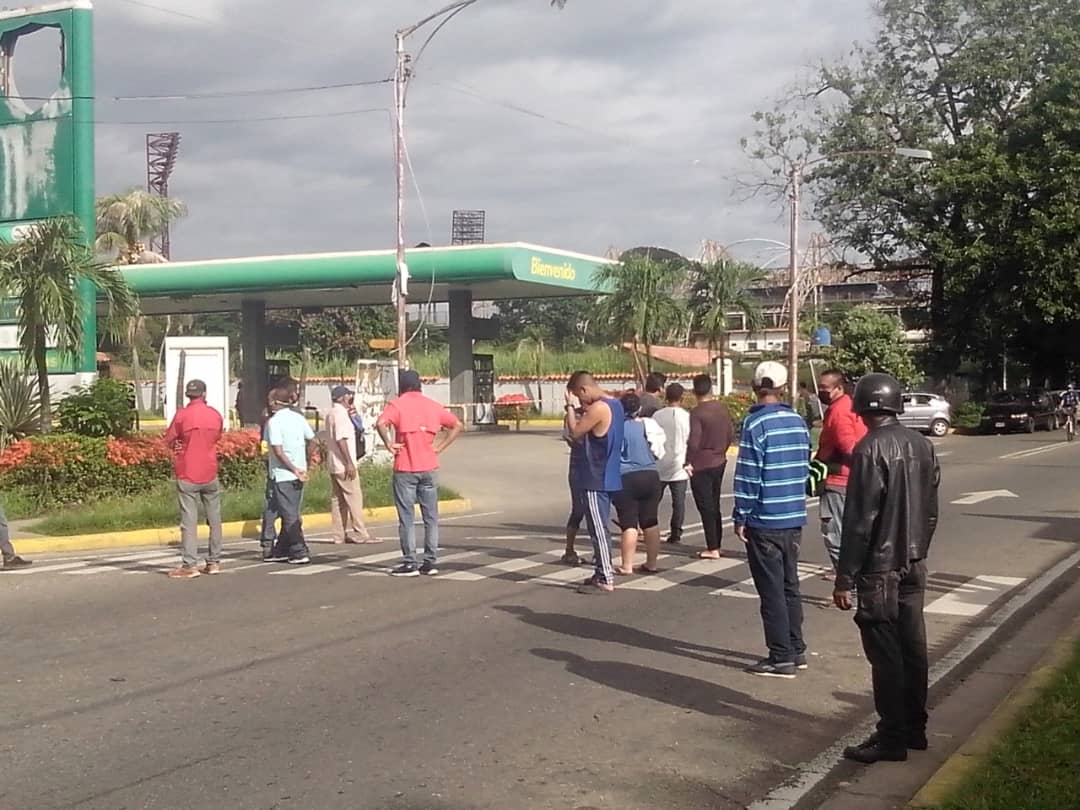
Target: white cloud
<point x="658" y="95"/>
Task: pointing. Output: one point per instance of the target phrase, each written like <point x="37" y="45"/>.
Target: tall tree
<point x="42" y="273"/>
<point x="642" y="304"/>
<point x="989" y="86"/>
<point x="872" y="341"/>
<point x="125" y="223"/>
<point x="563" y="322"/>
<point x="718" y="290"/>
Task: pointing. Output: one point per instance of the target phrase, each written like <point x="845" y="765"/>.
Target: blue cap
<point x="340" y="391"/>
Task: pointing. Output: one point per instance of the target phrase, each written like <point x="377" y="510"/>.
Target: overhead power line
<point x="204" y="96"/>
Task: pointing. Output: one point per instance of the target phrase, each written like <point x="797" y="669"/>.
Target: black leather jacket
<point x="891" y="511"/>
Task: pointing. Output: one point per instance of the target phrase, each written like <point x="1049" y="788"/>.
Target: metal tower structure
<point x="468" y="228"/>
<point x="161" y="151"/>
<point x="821" y="263"/>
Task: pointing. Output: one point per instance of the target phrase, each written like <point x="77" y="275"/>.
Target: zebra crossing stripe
<point x="677" y="576"/>
<point x="382" y="572"/>
<point x="746" y="589"/>
<point x="972" y="597"/>
<point x="511" y="566"/>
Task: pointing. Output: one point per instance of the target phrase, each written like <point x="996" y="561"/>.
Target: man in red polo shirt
<point x="193" y="436"/>
<point x="416" y="421"/>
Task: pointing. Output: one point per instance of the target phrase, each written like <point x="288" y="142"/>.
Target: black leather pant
<point x="894" y="639"/>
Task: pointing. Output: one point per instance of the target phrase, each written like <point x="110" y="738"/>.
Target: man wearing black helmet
<point x="889" y="520"/>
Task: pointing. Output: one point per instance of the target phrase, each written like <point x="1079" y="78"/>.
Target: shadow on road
<point x="681" y="691"/>
<point x="596" y="630"/>
<point x="1051" y="528"/>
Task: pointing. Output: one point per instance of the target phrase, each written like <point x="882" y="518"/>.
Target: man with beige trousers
<point x="346" y="497"/>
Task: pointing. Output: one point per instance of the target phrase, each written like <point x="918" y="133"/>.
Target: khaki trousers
<point x="347" y="508"/>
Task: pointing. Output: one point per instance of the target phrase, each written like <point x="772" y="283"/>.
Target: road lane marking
<point x="382" y="572"/>
<point x="746" y="589"/>
<point x="1036" y="451"/>
<point x="987" y="495"/>
<point x="677" y="576"/>
<point x="973" y="597"/>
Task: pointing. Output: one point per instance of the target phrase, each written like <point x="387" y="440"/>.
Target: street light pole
<point x="402" y="268"/>
<point x="793" y="311"/>
<point x="795" y="183"/>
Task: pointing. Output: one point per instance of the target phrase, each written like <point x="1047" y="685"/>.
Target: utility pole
<point x="793" y="311"/>
<point x="402" y="74"/>
<point x="401" y="78"/>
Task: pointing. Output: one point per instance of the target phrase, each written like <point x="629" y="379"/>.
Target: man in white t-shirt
<point x="346" y="496"/>
<point x="675" y="420"/>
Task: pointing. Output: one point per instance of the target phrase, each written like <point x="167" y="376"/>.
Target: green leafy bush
<point x="100" y="409"/>
<point x="20" y="404"/>
<point x="968" y="414"/>
<point x="69" y="469"/>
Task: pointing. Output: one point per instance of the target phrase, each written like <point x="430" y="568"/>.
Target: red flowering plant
<point x="67" y="469"/>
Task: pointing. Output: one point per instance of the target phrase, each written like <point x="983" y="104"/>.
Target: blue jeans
<point x="774" y="565"/>
<point x="410" y="488"/>
<point x="286" y="502"/>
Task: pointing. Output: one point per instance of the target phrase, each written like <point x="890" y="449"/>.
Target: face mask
<point x="825" y="397"/>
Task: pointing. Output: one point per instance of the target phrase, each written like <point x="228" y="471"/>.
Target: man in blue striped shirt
<point x="770" y="511"/>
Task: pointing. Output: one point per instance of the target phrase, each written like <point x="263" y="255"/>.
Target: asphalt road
<point x="491" y="686"/>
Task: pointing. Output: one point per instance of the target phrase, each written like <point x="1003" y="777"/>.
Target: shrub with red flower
<point x="65" y="469"/>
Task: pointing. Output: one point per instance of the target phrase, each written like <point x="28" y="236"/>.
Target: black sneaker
<point x="800" y="662"/>
<point x="869" y="754"/>
<point x="916" y="741"/>
<point x="570" y="558"/>
<point x="15" y="561"/>
<point x="405" y="570"/>
<point x="429" y="569"/>
<point x="769" y="669"/>
<point x="674" y="539"/>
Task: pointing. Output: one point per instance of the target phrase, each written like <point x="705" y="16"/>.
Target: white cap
<point x="774" y="373"/>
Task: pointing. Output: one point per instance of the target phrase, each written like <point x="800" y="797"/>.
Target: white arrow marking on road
<point x="979" y="497"/>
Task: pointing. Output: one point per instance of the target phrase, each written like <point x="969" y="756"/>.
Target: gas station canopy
<point x="488" y="272"/>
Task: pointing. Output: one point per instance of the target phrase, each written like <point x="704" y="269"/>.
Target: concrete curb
<point x="171" y="536"/>
<point x="963" y="762"/>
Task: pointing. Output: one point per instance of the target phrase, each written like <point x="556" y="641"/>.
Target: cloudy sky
<point x="639" y="106"/>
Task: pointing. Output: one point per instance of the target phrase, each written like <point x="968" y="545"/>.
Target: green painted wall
<point x="47" y="147"/>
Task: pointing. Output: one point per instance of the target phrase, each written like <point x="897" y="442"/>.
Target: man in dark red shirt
<point x="193" y="436"/>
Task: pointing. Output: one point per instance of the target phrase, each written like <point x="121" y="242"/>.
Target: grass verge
<point x="1035" y="766"/>
<point x="157" y="508"/>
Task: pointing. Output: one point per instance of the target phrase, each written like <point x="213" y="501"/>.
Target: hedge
<point x="64" y="469"/>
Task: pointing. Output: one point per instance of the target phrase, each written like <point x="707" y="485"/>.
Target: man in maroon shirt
<point x="193" y="436"/>
<point x="711" y="434"/>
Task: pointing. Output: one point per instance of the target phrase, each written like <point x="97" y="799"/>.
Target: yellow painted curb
<point x="958" y="767"/>
<point x="171" y="536"/>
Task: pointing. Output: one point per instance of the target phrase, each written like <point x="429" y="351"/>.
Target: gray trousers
<point x="832" y="518"/>
<point x="6" y="548"/>
<point x="191" y="495"/>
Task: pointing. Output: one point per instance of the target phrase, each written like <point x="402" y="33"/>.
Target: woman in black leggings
<point x="639" y="502"/>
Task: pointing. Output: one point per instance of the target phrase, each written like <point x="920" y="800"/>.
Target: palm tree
<point x="124" y="224"/>
<point x="719" y="289"/>
<point x="126" y="221"/>
<point x="642" y="304"/>
<point x="43" y="273"/>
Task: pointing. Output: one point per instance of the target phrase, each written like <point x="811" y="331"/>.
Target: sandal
<point x="641" y="569"/>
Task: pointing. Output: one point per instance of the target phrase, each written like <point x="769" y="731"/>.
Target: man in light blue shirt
<point x="289" y="436"/>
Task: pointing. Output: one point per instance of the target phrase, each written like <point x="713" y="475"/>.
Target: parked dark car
<point x="1027" y="409"/>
